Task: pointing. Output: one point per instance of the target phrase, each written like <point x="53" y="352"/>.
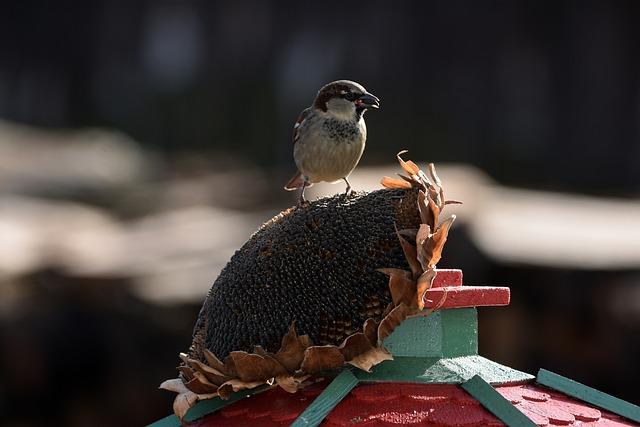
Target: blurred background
<point x="141" y="143"/>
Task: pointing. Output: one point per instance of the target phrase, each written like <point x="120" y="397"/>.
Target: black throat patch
<point x="342" y="130"/>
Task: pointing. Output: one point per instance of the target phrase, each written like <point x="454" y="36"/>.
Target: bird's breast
<point x="330" y="151"/>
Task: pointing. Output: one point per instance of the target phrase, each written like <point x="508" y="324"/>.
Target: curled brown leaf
<point x="214" y="362"/>
<point x="370" y="358"/>
<point x="401" y="285"/>
<point x="198" y="386"/>
<point x="185" y="398"/>
<point x="254" y="367"/>
<point x="292" y="349"/>
<point x="175" y="385"/>
<point x="434" y="175"/>
<point x="202" y="378"/>
<point x="212" y="374"/>
<point x="434" y="194"/>
<point x="434" y="245"/>
<point x="424" y="232"/>
<point x="408" y="166"/>
<point x="290" y="383"/>
<point x="409" y="233"/>
<point x="391" y="321"/>
<point x="410" y="254"/>
<point x="354" y="345"/>
<point x="259" y="350"/>
<point x="423" y="208"/>
<point x="183" y="402"/>
<point x="370" y="329"/>
<point x="424" y="284"/>
<point x="389" y="182"/>
<point x="186" y="372"/>
<point x="320" y="358"/>
<point x="408" y="179"/>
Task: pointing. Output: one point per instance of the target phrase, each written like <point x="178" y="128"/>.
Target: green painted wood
<point x="455" y="370"/>
<point x="589" y="395"/>
<point x="170" y="421"/>
<point x="444" y="333"/>
<point x="495" y="403"/>
<point x="205" y="407"/>
<point x="327" y="400"/>
<point x="399" y="369"/>
<point x="460" y="369"/>
<point x="460" y="332"/>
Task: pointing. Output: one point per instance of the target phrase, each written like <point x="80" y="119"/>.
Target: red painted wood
<point x="612" y="420"/>
<point x="538" y="419"/>
<point x="387" y="404"/>
<point x="463" y="415"/>
<point x="546" y="407"/>
<point x="466" y="296"/>
<point x="554" y="414"/>
<point x="447" y="277"/>
<point x="580" y="412"/>
<point x="534" y="395"/>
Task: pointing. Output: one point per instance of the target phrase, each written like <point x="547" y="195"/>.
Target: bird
<point x="329" y="136"/>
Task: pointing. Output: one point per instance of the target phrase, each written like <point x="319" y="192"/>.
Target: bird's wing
<point x="296" y="127"/>
<point x="296" y="182"/>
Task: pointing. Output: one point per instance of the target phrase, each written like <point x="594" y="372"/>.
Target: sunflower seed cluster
<point x="315" y="265"/>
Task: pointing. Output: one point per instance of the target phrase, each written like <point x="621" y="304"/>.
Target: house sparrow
<point x="329" y="136"/>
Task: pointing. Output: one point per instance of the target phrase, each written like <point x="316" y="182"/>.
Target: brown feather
<point x="296" y="182"/>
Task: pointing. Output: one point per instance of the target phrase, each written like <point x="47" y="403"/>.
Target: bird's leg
<point x="347" y="192"/>
<point x="302" y="200"/>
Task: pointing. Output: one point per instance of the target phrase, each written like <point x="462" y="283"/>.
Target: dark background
<point x="538" y="94"/>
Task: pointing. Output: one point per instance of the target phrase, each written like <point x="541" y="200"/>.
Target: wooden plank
<point x="495" y="403"/>
<point x="466" y="296"/>
<point x="169" y="421"/>
<point x="447" y="277"/>
<point x="444" y="333"/>
<point x="205" y="407"/>
<point x="327" y="400"/>
<point x="589" y="395"/>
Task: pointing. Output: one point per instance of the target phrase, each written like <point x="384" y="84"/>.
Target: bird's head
<point x="345" y="99"/>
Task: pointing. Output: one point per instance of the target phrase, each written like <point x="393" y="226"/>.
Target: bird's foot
<point x="349" y="191"/>
<point x="303" y="204"/>
<point x="348" y="194"/>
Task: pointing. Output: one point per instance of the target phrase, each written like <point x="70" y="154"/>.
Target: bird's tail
<point x="296" y="182"/>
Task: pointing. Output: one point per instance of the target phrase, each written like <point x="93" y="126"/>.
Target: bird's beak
<point x="368" y="100"/>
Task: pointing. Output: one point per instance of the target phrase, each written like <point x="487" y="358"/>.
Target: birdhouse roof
<point x="436" y="377"/>
<point x="389" y="404"/>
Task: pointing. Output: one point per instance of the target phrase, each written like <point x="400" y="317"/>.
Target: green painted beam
<point x="589" y="395"/>
<point x="169" y="421"/>
<point x="205" y="407"/>
<point x="444" y="333"/>
<point x="327" y="400"/>
<point x="453" y="370"/>
<point x="495" y="403"/>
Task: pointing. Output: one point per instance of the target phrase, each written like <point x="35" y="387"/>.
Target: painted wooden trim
<point x="444" y="333"/>
<point x="589" y="395"/>
<point x="447" y="277"/>
<point x="466" y="296"/>
<point x="168" y="421"/>
<point x="495" y="403"/>
<point x="205" y="407"/>
<point x="327" y="400"/>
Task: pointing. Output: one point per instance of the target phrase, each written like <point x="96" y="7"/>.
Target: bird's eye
<point x="350" y="96"/>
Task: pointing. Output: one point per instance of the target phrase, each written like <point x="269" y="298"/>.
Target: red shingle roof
<point x="389" y="404"/>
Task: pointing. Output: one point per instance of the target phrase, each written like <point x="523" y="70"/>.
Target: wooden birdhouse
<point x="436" y="377"/>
